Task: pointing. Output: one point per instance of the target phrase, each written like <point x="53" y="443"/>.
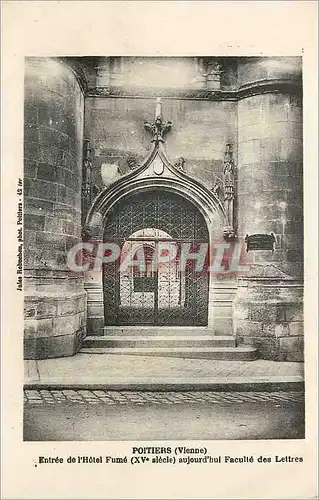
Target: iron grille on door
<point x="163" y="296"/>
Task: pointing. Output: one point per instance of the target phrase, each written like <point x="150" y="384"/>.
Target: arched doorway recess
<point x="152" y="283"/>
<point x="160" y="196"/>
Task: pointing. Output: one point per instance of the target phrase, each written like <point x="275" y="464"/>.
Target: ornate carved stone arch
<point x="156" y="172"/>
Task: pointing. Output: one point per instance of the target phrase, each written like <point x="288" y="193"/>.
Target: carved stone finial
<point x="229" y="185"/>
<point x="158" y="110"/>
<point x="86" y="193"/>
<point x="216" y="188"/>
<point x="179" y="163"/>
<point x="159" y="128"/>
<point x="228" y="160"/>
<point x="228" y="173"/>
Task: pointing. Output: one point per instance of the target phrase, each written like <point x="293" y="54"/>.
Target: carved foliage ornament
<point x="159" y="128"/>
<point x="86" y="178"/>
<point x="179" y="163"/>
<point x="229" y="192"/>
<point x="228" y="174"/>
<point x="216" y="188"/>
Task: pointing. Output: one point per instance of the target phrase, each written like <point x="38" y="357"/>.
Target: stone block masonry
<point x="256" y="107"/>
<point x="268" y="306"/>
<point x="55" y="301"/>
<point x="268" y="315"/>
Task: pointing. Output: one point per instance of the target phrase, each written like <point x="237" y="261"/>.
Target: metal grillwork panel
<point x="169" y="212"/>
<point x="169" y="294"/>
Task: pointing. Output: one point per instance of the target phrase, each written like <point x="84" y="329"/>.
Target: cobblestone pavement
<point x="46" y="396"/>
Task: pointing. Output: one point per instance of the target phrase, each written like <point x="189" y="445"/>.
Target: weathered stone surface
<point x="291" y="344"/>
<point x="270" y="200"/>
<point x="34" y="222"/>
<point x="40" y="308"/>
<point x="203" y="130"/>
<point x="294" y="313"/>
<point x="70" y="306"/>
<point x="222" y="326"/>
<point x="271" y="317"/>
<point x="43" y="317"/>
<point x="296" y="329"/>
<point x="296" y="356"/>
<point x="35" y="328"/>
<point x="252" y="69"/>
<point x="268" y="348"/>
<point x="268" y="329"/>
<point x="54" y="108"/>
<point x="268" y="128"/>
<point x="95" y="325"/>
<point x="242" y="311"/>
<point x="249" y="152"/>
<point x="270" y="163"/>
<point x="243" y="328"/>
<point x="52" y="347"/>
<point x="260" y="313"/>
<point x="55" y="118"/>
<point x="67" y="325"/>
<point x="282" y="330"/>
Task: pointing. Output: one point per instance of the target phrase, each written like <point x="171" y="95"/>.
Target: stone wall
<point x="55" y="300"/>
<point x="270" y="166"/>
<point x="251" y="103"/>
<point x="268" y="314"/>
<point x="201" y="130"/>
<point x="268" y="307"/>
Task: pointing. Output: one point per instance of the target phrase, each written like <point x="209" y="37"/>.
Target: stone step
<point x="156" y="330"/>
<point x="159" y="341"/>
<point x="217" y="353"/>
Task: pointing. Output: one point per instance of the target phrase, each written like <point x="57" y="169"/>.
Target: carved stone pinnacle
<point x="159" y="128"/>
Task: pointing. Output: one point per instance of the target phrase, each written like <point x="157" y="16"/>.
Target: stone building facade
<point x="232" y="151"/>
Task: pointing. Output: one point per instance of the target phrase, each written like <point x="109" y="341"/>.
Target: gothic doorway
<point x="152" y="283"/>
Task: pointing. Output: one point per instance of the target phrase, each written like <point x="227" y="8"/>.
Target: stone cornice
<point x="291" y="86"/>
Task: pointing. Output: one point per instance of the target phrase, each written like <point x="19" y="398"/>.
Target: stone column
<point x="268" y="305"/>
<point x="55" y="300"/>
